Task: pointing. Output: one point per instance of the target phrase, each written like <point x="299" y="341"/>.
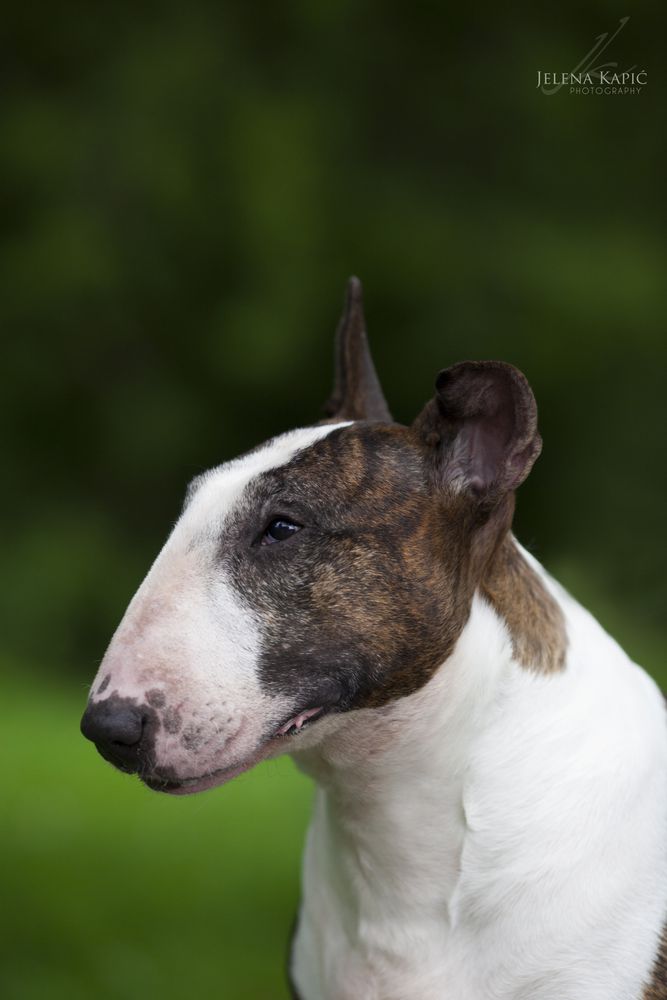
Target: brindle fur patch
<point x="364" y="603"/>
<point x="534" y="619"/>
<point x="357" y="608"/>
<point x="657" y="988"/>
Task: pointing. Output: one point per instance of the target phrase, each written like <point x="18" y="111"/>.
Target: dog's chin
<point x="283" y="741"/>
<point x="190" y="786"/>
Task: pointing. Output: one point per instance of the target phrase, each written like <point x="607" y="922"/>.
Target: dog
<point x="491" y="768"/>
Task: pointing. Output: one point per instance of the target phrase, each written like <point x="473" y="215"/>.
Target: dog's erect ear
<point x="480" y="429"/>
<point x="357" y="394"/>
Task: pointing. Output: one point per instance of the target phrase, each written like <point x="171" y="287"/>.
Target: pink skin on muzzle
<point x="188" y="786"/>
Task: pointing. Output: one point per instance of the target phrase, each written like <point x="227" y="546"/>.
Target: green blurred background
<point x="185" y="189"/>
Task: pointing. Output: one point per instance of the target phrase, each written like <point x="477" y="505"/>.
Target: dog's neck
<point x="373" y="761"/>
<point x="389" y="802"/>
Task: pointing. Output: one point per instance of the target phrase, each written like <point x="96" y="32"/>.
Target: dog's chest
<point x="420" y="957"/>
<point x="386" y="956"/>
<point x="375" y="910"/>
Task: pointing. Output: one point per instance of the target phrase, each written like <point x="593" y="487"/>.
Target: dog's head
<point x="328" y="570"/>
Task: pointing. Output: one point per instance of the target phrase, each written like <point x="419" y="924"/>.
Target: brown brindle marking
<point x="657" y="988"/>
<point x="534" y="619"/>
<point x="369" y="598"/>
<point x="364" y="604"/>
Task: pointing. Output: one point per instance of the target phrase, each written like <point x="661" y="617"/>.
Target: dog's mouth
<point x="297" y="723"/>
<point x="289" y="730"/>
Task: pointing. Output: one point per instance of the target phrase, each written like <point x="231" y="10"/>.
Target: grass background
<point x="184" y="190"/>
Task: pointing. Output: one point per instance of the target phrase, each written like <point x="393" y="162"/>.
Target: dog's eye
<point x="279" y="530"/>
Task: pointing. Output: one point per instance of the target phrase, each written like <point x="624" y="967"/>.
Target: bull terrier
<point x="490" y="766"/>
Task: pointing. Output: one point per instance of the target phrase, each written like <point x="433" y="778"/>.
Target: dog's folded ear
<point x="357" y="394"/>
<point x="480" y="429"/>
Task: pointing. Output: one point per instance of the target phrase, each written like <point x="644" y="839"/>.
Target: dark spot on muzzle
<point x="123" y="731"/>
<point x="156" y="698"/>
<point x="171" y="720"/>
<point x="103" y="686"/>
<point x="192" y="737"/>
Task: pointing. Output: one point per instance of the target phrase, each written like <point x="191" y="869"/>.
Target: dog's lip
<point x="298" y="721"/>
<point x="188" y="786"/>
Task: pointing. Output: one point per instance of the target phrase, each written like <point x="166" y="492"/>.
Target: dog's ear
<point x="357" y="394"/>
<point x="480" y="429"/>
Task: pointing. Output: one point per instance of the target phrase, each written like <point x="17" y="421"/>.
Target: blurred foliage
<point x="184" y="190"/>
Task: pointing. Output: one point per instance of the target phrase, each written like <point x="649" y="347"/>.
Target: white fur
<point x="498" y="835"/>
<point x="188" y="634"/>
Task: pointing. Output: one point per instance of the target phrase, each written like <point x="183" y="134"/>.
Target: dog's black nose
<point x="115" y="726"/>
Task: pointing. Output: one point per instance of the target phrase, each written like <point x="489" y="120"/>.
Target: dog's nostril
<point x="128" y="730"/>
